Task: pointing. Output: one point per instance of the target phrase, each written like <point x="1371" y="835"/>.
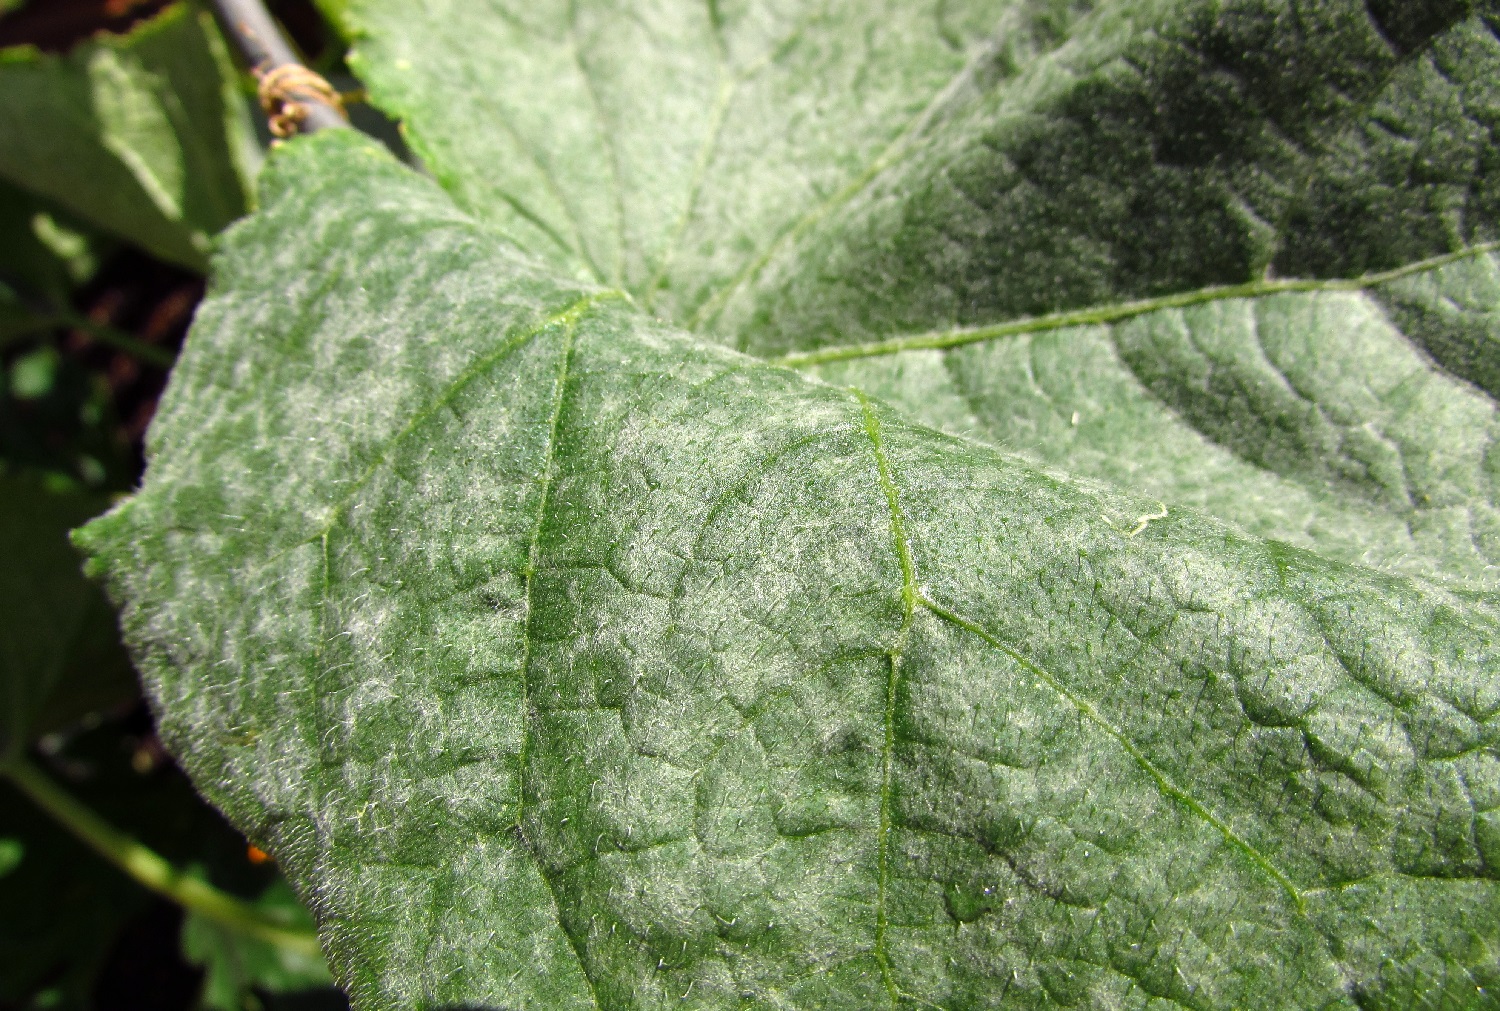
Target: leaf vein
<point x="1116" y="312"/>
<point x="909" y="597"/>
<point x="1164" y="783"/>
<point x="549" y="458"/>
<point x="567" y="317"/>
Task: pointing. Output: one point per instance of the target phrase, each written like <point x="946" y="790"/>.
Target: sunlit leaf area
<point x="755" y="504"/>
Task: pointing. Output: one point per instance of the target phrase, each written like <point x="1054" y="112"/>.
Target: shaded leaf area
<point x="145" y="136"/>
<point x="1230" y="140"/>
<point x="60" y="654"/>
<point x="567" y="660"/>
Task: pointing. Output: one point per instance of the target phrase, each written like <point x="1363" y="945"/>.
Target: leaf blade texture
<point x="799" y="177"/>
<point x="565" y="659"/>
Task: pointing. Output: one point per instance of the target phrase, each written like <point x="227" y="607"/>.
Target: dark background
<point x="73" y="929"/>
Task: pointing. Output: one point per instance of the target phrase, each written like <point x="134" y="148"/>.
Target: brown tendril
<point x="285" y="93"/>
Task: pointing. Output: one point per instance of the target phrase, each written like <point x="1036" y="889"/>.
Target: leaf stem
<point x="101" y="332"/>
<point x="150" y="869"/>
<point x="120" y="340"/>
<point x="1114" y="313"/>
<point x="254" y="32"/>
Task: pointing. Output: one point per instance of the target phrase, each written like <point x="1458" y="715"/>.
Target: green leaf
<point x="60" y="655"/>
<point x="566" y="659"/>
<point x="43" y="255"/>
<point x="145" y="135"/>
<point x="804" y="177"/>
<point x="235" y="965"/>
<point x="12" y="852"/>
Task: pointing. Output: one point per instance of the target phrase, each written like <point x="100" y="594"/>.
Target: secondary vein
<point x="909" y="598"/>
<point x="1116" y="312"/>
<point x="1163" y="782"/>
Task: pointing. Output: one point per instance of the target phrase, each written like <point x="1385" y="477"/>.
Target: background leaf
<point x="77" y="932"/>
<point x="146" y="136"/>
<point x="46" y="252"/>
<point x="235" y="965"/>
<point x="60" y="655"/>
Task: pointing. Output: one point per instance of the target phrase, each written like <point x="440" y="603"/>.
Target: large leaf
<point x="794" y="176"/>
<point x="146" y="136"/>
<point x="567" y="660"/>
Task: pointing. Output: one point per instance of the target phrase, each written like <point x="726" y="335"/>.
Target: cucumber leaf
<point x="798" y="178"/>
<point x="567" y="659"/>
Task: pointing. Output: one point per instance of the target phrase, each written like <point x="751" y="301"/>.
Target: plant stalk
<point x="253" y="31"/>
<point x="105" y="334"/>
<point x="150" y="869"/>
<point x="119" y="340"/>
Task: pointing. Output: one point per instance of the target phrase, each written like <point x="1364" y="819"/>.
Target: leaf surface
<point x="565" y="659"/>
<point x="146" y="135"/>
<point x="791" y="178"/>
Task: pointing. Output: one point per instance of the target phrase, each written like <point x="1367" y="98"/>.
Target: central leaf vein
<point x="909" y="597"/>
<point x="549" y="461"/>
